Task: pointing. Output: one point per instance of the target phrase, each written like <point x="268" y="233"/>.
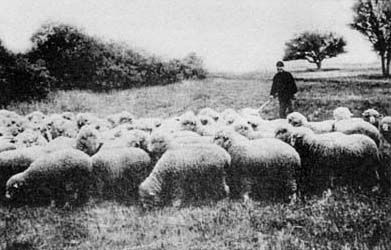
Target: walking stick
<point x="264" y="105"/>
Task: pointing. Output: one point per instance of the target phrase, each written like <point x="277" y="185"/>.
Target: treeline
<point x="64" y="57"/>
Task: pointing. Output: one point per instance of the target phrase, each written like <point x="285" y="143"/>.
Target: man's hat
<point x="280" y="64"/>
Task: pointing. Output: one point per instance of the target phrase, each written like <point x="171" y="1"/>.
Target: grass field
<point x="339" y="220"/>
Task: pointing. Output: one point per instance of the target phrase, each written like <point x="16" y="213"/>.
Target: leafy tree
<point x="193" y="66"/>
<point x="68" y="53"/>
<point x="373" y="19"/>
<point x="78" y="60"/>
<point x="314" y="47"/>
<point x="21" y="80"/>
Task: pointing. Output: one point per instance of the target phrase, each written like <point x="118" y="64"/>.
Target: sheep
<point x="264" y="128"/>
<point x="89" y="140"/>
<point x="58" y="126"/>
<point x="242" y="127"/>
<point x="13" y="124"/>
<point x="6" y="145"/>
<point x="210" y="113"/>
<point x="206" y="126"/>
<point x="254" y="121"/>
<point x="188" y="121"/>
<point x="249" y="112"/>
<point x="186" y="137"/>
<point x="29" y="138"/>
<point x="8" y="114"/>
<point x="262" y="168"/>
<point x="332" y="159"/>
<point x="62" y="176"/>
<point x="146" y="124"/>
<point x="385" y="128"/>
<point x="36" y="117"/>
<point x="118" y="173"/>
<point x="60" y="143"/>
<point x="16" y="161"/>
<point x="372" y="116"/>
<point x="228" y="116"/>
<point x="385" y="154"/>
<point x="296" y="119"/>
<point x="133" y="138"/>
<point x="112" y="134"/>
<point x="184" y="173"/>
<point x="205" y="120"/>
<point x="68" y="116"/>
<point x="83" y="119"/>
<point x="358" y="127"/>
<point x="120" y="118"/>
<point x="342" y="113"/>
<point x="102" y="125"/>
<point x="170" y="125"/>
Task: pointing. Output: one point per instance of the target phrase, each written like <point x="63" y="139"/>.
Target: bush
<point x="80" y="61"/>
<point x="21" y="80"/>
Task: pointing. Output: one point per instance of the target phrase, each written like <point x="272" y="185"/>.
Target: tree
<point x="21" y="80"/>
<point x="373" y="19"/>
<point x="314" y="47"/>
<point x="193" y="66"/>
<point x="68" y="53"/>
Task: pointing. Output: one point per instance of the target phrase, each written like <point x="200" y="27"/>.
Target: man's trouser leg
<point x="285" y="105"/>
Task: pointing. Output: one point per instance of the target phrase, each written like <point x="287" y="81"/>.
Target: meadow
<point x="337" y="220"/>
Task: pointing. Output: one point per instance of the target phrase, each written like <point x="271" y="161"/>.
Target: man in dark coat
<point x="284" y="87"/>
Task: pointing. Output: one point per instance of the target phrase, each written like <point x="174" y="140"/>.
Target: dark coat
<point x="283" y="85"/>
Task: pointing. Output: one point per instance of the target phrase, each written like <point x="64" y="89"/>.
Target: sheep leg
<point x="178" y="196"/>
<point x="246" y="184"/>
<point x="225" y="186"/>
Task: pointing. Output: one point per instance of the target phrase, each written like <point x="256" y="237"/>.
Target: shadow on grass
<point x="316" y="70"/>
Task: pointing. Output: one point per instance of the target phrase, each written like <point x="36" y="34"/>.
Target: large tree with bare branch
<point x="314" y="47"/>
<point x="373" y="19"/>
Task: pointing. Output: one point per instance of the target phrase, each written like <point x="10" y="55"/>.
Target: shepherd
<point x="284" y="87"/>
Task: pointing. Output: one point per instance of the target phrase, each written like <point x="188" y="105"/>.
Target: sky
<point x="230" y="35"/>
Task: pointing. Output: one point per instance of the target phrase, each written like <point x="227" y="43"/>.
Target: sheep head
<point x="89" y="140"/>
<point x="228" y="116"/>
<point x="210" y="113"/>
<point x="283" y="133"/>
<point x="137" y="139"/>
<point x="371" y="116"/>
<point x="189" y="121"/>
<point x="385" y="128"/>
<point x="224" y="138"/>
<point x="68" y="116"/>
<point x="206" y="120"/>
<point x="342" y="113"/>
<point x="254" y="121"/>
<point x="296" y="119"/>
<point x="14" y="186"/>
<point x="158" y="143"/>
<point x="120" y="118"/>
<point x="83" y="119"/>
<point x="242" y="127"/>
<point x="35" y="117"/>
<point x="298" y="135"/>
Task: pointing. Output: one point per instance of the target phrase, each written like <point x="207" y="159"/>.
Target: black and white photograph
<point x="195" y="124"/>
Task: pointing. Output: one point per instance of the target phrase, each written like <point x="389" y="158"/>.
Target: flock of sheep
<point x="192" y="157"/>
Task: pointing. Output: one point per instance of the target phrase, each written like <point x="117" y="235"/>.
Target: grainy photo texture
<point x="203" y="124"/>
